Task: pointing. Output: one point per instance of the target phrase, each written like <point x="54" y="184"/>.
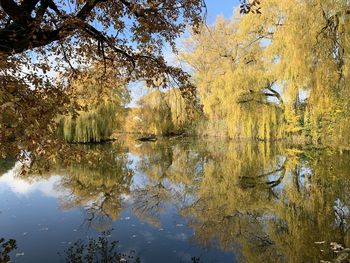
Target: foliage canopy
<point x="43" y="39"/>
<point x="277" y="74"/>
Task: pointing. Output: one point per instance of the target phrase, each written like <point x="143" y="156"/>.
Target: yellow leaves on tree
<point x="276" y="74"/>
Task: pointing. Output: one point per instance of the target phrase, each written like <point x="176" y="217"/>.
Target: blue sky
<point x="214" y="9"/>
<point x="220" y="7"/>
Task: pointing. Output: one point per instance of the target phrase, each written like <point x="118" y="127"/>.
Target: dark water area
<point x="179" y="201"/>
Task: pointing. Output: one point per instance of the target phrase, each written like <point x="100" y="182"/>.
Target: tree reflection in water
<point x="99" y="250"/>
<point x="264" y="202"/>
<point x="6" y="247"/>
<point x="98" y="187"/>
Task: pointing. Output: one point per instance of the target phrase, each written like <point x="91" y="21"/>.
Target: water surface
<point x="180" y="201"/>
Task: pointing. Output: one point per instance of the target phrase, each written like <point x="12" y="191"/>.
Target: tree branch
<point x="92" y="31"/>
<point x="15" y="12"/>
<point x="87" y="8"/>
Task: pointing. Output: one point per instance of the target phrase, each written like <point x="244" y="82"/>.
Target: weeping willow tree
<point x="94" y="125"/>
<point x="160" y="113"/>
<point x="309" y="50"/>
<point x="101" y="100"/>
<point x="155" y="114"/>
<point x="237" y="91"/>
<point x="276" y="74"/>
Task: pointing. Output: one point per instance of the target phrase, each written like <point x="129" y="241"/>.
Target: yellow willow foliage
<point x="177" y="105"/>
<point x="159" y="113"/>
<point x="101" y="99"/>
<point x="231" y="78"/>
<point x="94" y="125"/>
<point x="290" y="61"/>
<point x="309" y="40"/>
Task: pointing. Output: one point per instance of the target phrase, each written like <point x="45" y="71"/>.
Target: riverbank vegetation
<point x="278" y="75"/>
<point x="281" y="74"/>
<point x="45" y="46"/>
<point x="276" y="70"/>
<point x="274" y="76"/>
<point x="100" y="99"/>
<point x="160" y="113"/>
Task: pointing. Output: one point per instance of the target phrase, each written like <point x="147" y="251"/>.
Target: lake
<point x="179" y="200"/>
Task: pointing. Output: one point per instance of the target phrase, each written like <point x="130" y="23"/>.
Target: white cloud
<point x="24" y="187"/>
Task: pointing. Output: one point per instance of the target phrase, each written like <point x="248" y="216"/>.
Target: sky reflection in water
<point x="171" y="201"/>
